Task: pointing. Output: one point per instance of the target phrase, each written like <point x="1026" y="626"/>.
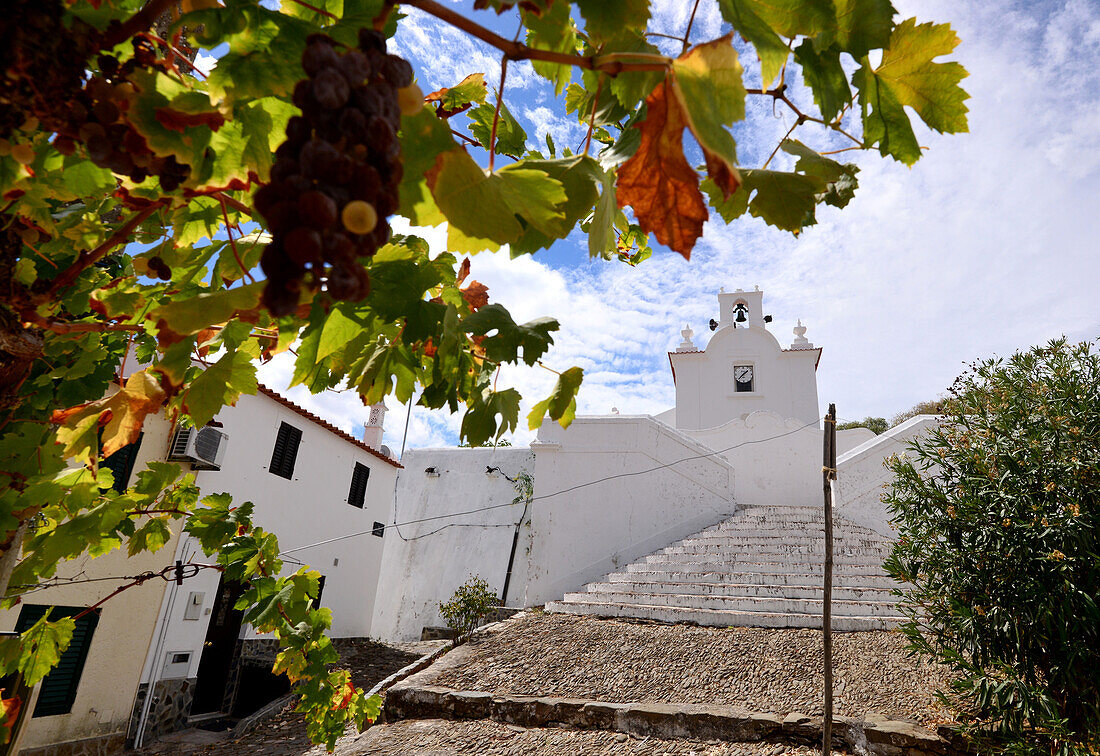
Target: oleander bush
<point x="998" y="517"/>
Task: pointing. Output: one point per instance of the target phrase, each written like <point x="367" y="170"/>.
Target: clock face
<point x="743" y="374"/>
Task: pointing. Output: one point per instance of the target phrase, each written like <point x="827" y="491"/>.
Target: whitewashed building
<point x="312" y="484"/>
<point x="707" y="512"/>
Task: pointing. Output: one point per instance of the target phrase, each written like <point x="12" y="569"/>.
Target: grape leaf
<point x="41" y="646"/>
<point x="183" y="317"/>
<point x="907" y="76"/>
<point x="601" y="231"/>
<point x="121" y="414"/>
<point x="708" y="87"/>
<point x="604" y="20"/>
<point x="840" y="178"/>
<point x="220" y="384"/>
<point x="578" y="176"/>
<point x="658" y="182"/>
<point x="552" y="30"/>
<point x="533" y="338"/>
<point x="783" y="200"/>
<point x="862" y="25"/>
<point x="771" y="50"/>
<point x="511" y="138"/>
<point x="452" y="100"/>
<point x="561" y="405"/>
<point x="424" y="137"/>
<point x="825" y="77"/>
<point x="631" y="87"/>
<point x="479" y="424"/>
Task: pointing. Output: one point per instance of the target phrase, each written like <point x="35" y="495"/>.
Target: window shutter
<point x="357" y="496"/>
<point x="121" y="463"/>
<point x="285" y="452"/>
<point x="58" y="688"/>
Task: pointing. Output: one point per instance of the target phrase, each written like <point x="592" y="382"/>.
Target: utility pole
<point x="828" y="475"/>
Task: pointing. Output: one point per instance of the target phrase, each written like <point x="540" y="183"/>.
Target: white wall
<point x="861" y="474"/>
<point x="581" y="535"/>
<point x="850" y="438"/>
<point x="776" y="460"/>
<point x="785" y="382"/>
<point x="419" y="573"/>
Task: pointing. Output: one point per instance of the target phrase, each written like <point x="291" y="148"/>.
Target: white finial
<point x="614" y="410"/>
<point x="722" y="290"/>
<point x="800" y="340"/>
<point x="686" y="345"/>
<point x="756" y="288"/>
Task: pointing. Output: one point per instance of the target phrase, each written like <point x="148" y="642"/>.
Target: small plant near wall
<point x="471" y="603"/>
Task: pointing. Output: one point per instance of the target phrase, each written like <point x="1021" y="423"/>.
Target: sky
<point x="984" y="247"/>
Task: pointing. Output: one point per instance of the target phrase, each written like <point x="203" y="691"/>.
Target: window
<point x="358" y="493"/>
<point x="59" y="686"/>
<point x="379" y="529"/>
<point x="743" y="378"/>
<point x="285" y="451"/>
<point x="121" y="464"/>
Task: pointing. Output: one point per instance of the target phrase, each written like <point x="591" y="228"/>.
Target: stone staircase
<point x="761" y="568"/>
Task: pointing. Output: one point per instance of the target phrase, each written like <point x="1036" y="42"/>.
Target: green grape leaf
<point x="862" y="25"/>
<point x="604" y="20"/>
<point x="152" y="535"/>
<point x="532" y="338"/>
<point x="424" y="137"/>
<point x="839" y="178"/>
<point x="907" y="76"/>
<point x="183" y="317"/>
<point x="552" y="30"/>
<point x="479" y="424"/>
<point x="263" y="60"/>
<point x="601" y="231"/>
<point x="825" y="77"/>
<point x="783" y="200"/>
<point x="631" y="87"/>
<point x="708" y="87"/>
<point x="579" y="176"/>
<point x="220" y="384"/>
<point x="561" y="405"/>
<point x="770" y="48"/>
<point x="41" y="646"/>
<point x="452" y="100"/>
<point x="511" y="138"/>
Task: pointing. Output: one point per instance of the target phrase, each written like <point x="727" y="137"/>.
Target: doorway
<point x="217" y="651"/>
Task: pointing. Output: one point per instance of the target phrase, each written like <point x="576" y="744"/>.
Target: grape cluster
<point x="159" y="268"/>
<point x="42" y="61"/>
<point x="97" y="117"/>
<point x="335" y="177"/>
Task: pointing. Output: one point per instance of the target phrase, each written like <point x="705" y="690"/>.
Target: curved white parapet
<point x="862" y="474"/>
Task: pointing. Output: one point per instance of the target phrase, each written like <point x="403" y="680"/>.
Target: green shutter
<point x="58" y="689"/>
<point x="285" y="452"/>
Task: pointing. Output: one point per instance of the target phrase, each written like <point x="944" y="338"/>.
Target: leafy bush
<point x="928" y="407"/>
<point x="998" y="514"/>
<point x="472" y="602"/>
<point x="876" y="425"/>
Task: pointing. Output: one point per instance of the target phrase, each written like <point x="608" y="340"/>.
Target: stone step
<point x="754" y="530"/>
<point x="775" y="522"/>
<point x="793" y="558"/>
<point x="722" y="618"/>
<point x="789" y="567"/>
<point x="848" y="580"/>
<point x="762" y="590"/>
<point x="736" y="603"/>
<point x="731" y="546"/>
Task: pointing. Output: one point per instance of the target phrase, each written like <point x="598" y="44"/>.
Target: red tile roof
<point x="325" y="424"/>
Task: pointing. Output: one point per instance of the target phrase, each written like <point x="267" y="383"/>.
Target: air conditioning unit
<point x="202" y="447"/>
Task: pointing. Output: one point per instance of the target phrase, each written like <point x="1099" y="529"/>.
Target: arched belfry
<point x="743" y="368"/>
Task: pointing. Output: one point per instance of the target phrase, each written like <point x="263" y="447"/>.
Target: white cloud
<point x="205" y="63"/>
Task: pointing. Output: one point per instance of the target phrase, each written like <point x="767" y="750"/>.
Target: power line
<point x="397" y="525"/>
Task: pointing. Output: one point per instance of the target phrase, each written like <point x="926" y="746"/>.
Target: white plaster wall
<point x="785" y="382"/>
<point x="850" y="438"/>
<point x="776" y="460"/>
<point x="580" y="535"/>
<point x="416" y="575"/>
<point x="109" y="680"/>
<point x="861" y="474"/>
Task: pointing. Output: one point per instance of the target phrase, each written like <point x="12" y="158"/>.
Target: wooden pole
<point x="828" y="475"/>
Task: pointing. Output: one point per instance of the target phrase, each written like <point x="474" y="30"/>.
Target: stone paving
<point x="755" y="669"/>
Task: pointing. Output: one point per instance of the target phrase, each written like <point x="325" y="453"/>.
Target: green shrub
<point x="876" y="425"/>
<point x="998" y="516"/>
<point x="472" y="602"/>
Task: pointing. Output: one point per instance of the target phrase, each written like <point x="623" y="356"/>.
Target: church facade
<point x="744" y="436"/>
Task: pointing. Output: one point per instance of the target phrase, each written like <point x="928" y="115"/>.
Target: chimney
<point x="372" y="432"/>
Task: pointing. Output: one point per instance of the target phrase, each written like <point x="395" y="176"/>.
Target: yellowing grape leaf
<point x="603" y="19"/>
<point x="708" y="86"/>
<point x="561" y="405"/>
<point x="771" y="50"/>
<point x="452" y="100"/>
<point x="658" y="183"/>
<point x="183" y="317"/>
<point x="120" y="414"/>
<point x="907" y="76"/>
<point x="552" y="30"/>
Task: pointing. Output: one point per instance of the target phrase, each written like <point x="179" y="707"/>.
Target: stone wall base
<point x="102" y="745"/>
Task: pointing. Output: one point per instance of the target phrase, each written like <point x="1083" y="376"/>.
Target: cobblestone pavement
<point x="757" y="669"/>
<point x="437" y="737"/>
<point x="285" y="734"/>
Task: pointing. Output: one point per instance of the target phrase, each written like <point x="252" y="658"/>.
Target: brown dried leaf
<point x="476" y="295"/>
<point x="658" y="183"/>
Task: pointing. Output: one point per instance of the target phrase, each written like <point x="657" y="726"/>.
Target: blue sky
<point x="984" y="247"/>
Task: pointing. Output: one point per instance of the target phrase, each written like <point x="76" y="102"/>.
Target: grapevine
<point x="336" y="176"/>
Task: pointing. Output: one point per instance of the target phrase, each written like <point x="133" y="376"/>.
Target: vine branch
<point x="141" y="21"/>
<point x="780" y="94"/>
<point x="496" y="113"/>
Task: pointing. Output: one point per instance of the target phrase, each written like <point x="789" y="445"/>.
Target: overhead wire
<point x="542" y="497"/>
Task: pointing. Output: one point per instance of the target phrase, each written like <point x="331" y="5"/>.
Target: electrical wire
<point x="543" y="497"/>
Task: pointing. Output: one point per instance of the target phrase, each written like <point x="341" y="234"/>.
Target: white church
<point x="709" y="512"/>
